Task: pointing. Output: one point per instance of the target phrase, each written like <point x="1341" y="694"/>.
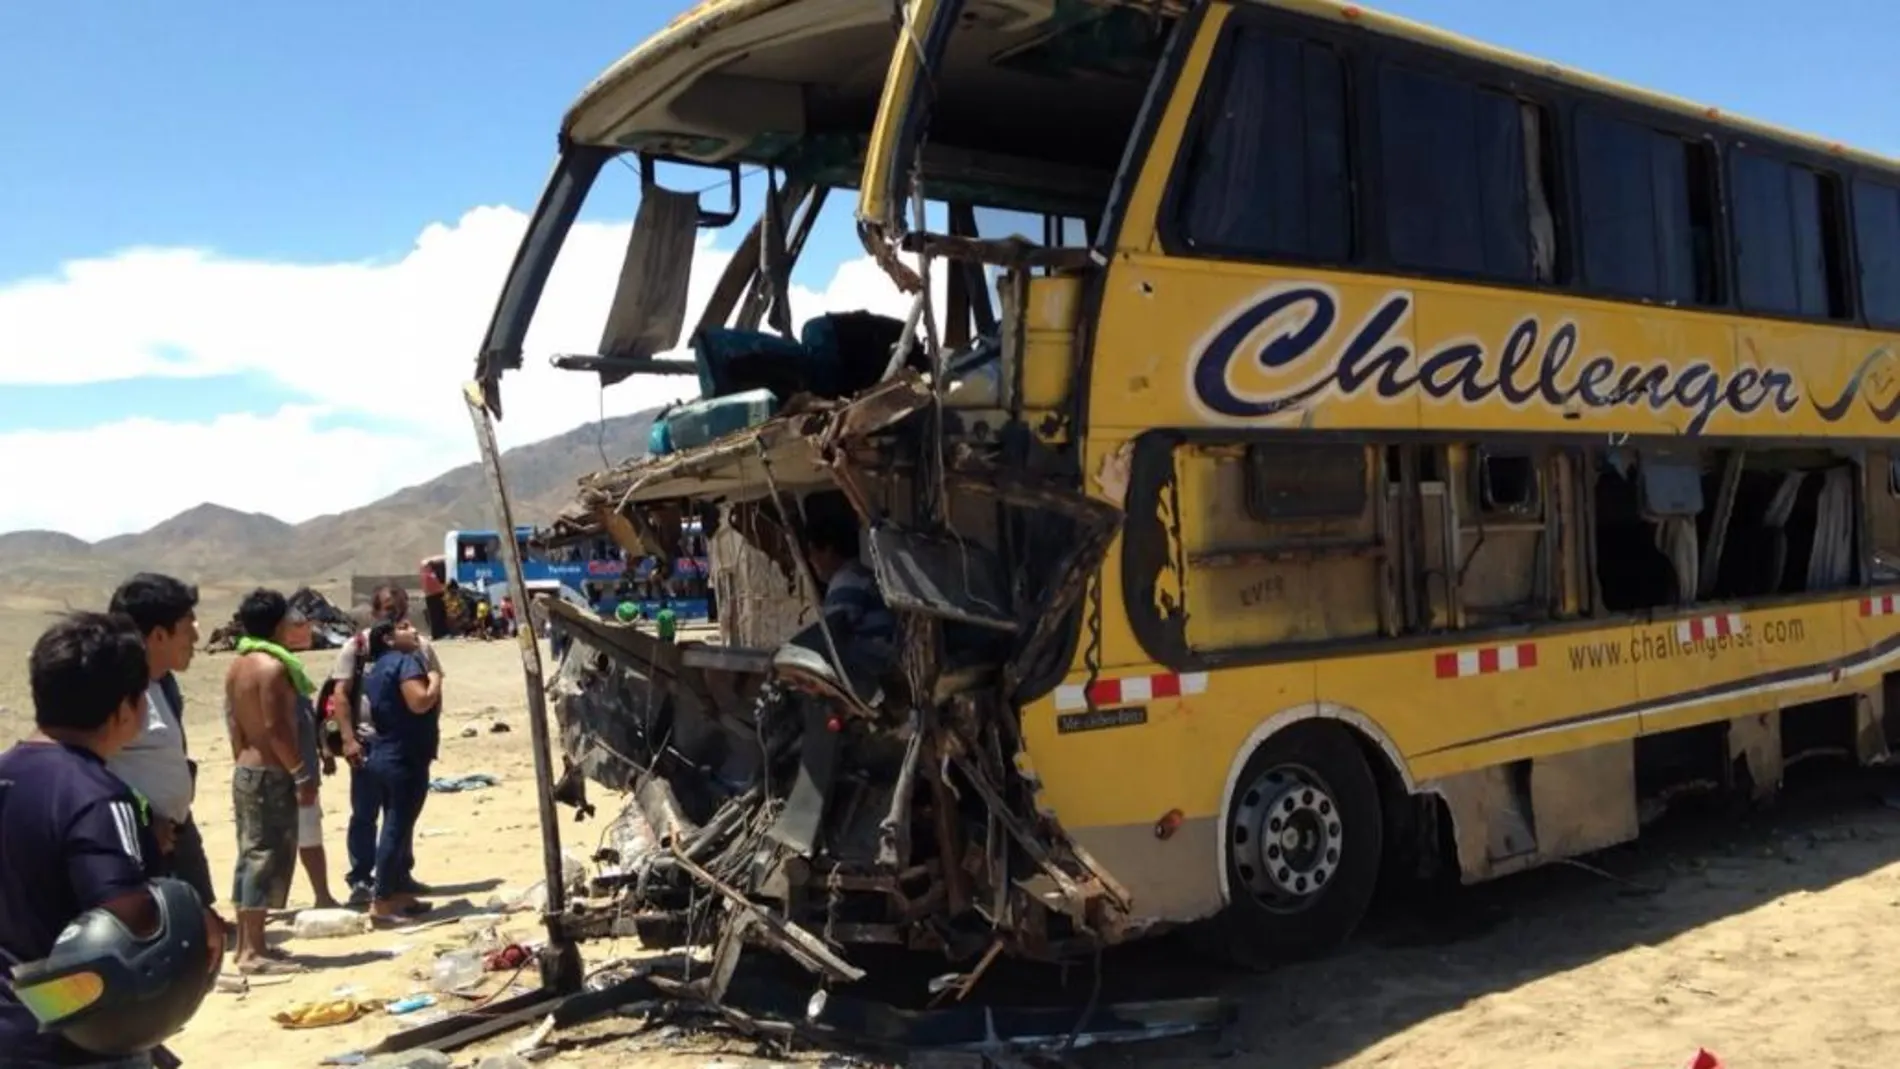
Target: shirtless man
<point x="260" y="694"/>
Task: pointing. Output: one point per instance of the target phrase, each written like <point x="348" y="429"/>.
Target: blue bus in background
<point x="596" y="571"/>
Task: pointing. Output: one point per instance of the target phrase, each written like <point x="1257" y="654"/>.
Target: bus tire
<point x="1304" y="837"/>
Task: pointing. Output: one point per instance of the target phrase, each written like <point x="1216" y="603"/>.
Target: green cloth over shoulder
<point x="293" y="664"/>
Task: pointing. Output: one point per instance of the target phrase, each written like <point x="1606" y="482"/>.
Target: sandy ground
<point x="1767" y="940"/>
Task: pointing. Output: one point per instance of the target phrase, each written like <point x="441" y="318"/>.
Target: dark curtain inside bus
<point x="1269" y="172"/>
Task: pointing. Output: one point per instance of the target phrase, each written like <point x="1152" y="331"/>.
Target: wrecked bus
<point x="1393" y="454"/>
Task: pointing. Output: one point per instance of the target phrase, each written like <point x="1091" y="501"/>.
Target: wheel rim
<point x="1287" y="838"/>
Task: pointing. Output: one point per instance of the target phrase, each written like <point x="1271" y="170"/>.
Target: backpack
<point x="345" y="719"/>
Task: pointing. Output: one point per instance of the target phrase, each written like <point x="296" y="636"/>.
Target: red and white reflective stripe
<point x="1486" y="661"/>
<point x="1132" y="690"/>
<point x="1708" y="627"/>
<point x="1885" y="605"/>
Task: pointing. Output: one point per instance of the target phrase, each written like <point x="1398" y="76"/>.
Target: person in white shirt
<point x="157" y="765"/>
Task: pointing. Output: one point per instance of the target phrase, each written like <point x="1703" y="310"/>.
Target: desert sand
<point x="1764" y="939"/>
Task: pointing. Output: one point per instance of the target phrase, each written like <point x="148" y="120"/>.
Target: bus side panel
<point x="1824" y="363"/>
<point x="1139" y="780"/>
<point x="1458" y="707"/>
<point x="1186" y="343"/>
<point x="1870" y="628"/>
<point x="1720" y="663"/>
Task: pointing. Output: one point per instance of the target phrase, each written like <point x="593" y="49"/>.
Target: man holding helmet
<point x="99" y="962"/>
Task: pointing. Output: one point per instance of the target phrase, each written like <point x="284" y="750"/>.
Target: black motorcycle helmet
<point x="111" y="993"/>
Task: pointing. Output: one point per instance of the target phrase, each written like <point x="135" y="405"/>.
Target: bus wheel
<point x="1304" y="838"/>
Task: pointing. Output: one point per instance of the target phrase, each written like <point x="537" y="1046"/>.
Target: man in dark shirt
<point x="72" y="835"/>
<point x="855" y="611"/>
<point x="405" y="701"/>
<point x="349" y="709"/>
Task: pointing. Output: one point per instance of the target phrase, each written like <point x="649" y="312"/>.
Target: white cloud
<point x="391" y="341"/>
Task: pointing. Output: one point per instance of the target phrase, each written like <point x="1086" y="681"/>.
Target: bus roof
<point x="647" y="90"/>
<point x="521" y="531"/>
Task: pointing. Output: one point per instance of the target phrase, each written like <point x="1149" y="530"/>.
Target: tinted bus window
<point x="1269" y="173"/>
<point x="1647" y="203"/>
<point x="1787" y="238"/>
<point x="1458" y="165"/>
<point x="1877" y="238"/>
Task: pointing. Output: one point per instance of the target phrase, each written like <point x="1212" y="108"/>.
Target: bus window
<point x="1268" y="175"/>
<point x="1791" y="526"/>
<point x="1507" y="483"/>
<point x="1790" y="242"/>
<point x="1647" y="204"/>
<point x="1648" y="550"/>
<point x="1505" y="563"/>
<point x="1877" y="239"/>
<point x="1882" y="495"/>
<point x="1466" y="176"/>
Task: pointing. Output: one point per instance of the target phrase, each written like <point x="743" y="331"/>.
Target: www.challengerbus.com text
<point x="1664" y="643"/>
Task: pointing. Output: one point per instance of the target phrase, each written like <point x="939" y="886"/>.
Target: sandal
<point x="267" y="966"/>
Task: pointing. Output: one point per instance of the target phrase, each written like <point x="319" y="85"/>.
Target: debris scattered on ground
<point x="330" y="627"/>
<point x="512" y="956"/>
<point x="329" y="923"/>
<point x="409" y="1059"/>
<point x="531" y="1043"/>
<point x="322" y="1014"/>
<point x="515" y="900"/>
<point x="456" y="970"/>
<point x="410" y="1004"/>
<point x="473" y="781"/>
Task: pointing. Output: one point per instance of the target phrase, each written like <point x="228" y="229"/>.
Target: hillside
<point x="200" y="539"/>
<point x="42" y="544"/>
<point x="394" y="533"/>
<point x="389" y="535"/>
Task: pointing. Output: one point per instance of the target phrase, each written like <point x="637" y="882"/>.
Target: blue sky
<point x="145" y="143"/>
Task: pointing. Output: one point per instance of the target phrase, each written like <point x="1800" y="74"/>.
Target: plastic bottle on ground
<point x="456" y="970"/>
<point x="329" y="923"/>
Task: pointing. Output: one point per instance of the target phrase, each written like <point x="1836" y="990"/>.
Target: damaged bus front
<point x="903" y="542"/>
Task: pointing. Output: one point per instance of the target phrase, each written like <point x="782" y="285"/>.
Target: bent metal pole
<point x="561" y="963"/>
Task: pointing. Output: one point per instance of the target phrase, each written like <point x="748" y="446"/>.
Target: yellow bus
<point x="1494" y="450"/>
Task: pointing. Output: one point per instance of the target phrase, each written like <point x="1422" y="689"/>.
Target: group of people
<point x="493" y="620"/>
<point x="98" y="839"/>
